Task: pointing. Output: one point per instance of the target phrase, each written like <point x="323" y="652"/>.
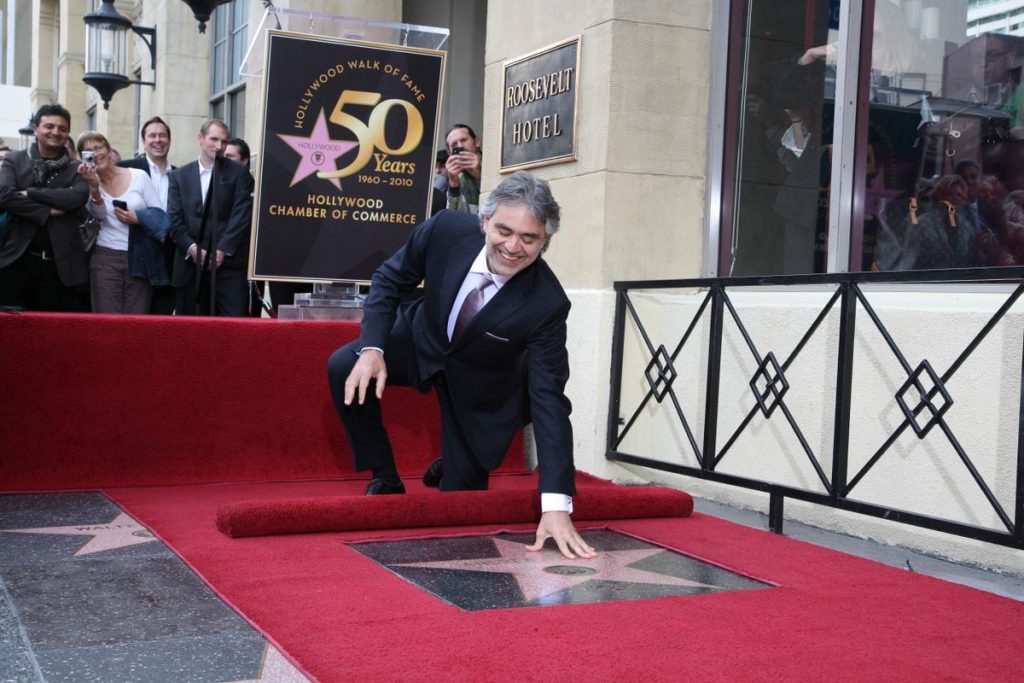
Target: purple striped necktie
<point x="473" y="303"/>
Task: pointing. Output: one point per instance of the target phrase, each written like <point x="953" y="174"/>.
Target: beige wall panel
<point x="589" y="346"/>
<point x="183" y="79"/>
<point x="665" y="12"/>
<point x="653" y="228"/>
<point x="45" y="19"/>
<point x="71" y="61"/>
<point x="658" y="99"/>
<point x="515" y="28"/>
<point x="576" y="251"/>
<point x="626" y="227"/>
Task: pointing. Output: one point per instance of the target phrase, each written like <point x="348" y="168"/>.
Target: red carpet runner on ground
<point x="594" y="501"/>
<point x="832" y="617"/>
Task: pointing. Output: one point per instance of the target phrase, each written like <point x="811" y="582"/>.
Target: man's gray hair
<point x="524" y="189"/>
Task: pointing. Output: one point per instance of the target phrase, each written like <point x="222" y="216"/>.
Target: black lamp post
<point x="106" y="53"/>
<point x="202" y="9"/>
<point x="26" y="133"/>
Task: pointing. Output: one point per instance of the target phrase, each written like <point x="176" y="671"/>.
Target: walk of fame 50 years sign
<point x="346" y="169"/>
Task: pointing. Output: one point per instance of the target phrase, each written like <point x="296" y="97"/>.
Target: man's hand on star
<point x="558" y="525"/>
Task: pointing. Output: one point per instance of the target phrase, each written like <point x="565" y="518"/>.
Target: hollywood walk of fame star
<point x="318" y="151"/>
<point x="275" y="668"/>
<point x="122" y="532"/>
<point x="543" y="573"/>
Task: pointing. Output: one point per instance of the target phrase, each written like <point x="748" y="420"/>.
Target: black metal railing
<point x="924" y="398"/>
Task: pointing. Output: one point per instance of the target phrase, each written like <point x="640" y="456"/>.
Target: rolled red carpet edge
<point x="457" y="508"/>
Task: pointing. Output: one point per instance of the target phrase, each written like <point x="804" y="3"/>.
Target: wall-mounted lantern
<point x="106" y="51"/>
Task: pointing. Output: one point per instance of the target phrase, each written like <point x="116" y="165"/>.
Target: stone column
<point x="45" y="22"/>
<point x="71" y="91"/>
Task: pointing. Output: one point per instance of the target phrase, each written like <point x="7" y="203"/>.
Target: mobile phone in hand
<point x="457" y="150"/>
<point x="120" y="204"/>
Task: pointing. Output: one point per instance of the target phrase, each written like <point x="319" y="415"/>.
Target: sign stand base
<point x="327" y="301"/>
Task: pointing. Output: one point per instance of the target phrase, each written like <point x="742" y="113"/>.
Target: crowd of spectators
<point x="83" y="230"/>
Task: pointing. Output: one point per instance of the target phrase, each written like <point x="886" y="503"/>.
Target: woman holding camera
<point x="126" y="261"/>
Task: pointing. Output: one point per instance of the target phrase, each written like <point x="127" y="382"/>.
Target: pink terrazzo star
<point x="275" y="668"/>
<point x="120" y="533"/>
<point x="318" y="151"/>
<point x="542" y="573"/>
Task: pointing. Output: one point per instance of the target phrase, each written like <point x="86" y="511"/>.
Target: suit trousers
<point x="32" y="283"/>
<point x="364" y="424"/>
<point x="232" y="294"/>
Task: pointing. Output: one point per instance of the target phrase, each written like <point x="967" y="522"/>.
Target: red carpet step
<point x="93" y="401"/>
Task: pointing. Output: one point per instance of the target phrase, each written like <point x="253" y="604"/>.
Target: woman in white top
<point x="116" y="195"/>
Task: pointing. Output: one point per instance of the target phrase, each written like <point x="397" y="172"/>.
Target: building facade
<point x="715" y="138"/>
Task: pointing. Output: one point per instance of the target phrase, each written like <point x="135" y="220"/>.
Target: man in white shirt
<point x="210" y="227"/>
<point x="156" y="145"/>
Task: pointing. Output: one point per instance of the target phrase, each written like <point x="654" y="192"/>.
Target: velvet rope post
<point x="458" y="508"/>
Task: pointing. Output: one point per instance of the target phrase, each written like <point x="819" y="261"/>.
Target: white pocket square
<point x="495" y="337"/>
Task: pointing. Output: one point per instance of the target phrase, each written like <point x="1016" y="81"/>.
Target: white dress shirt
<point x="548" y="501"/>
<point x="204" y="178"/>
<point x="204" y="184"/>
<point x="161" y="180"/>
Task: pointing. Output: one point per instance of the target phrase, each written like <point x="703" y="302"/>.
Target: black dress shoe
<point x="380" y="487"/>
<point x="432" y="477"/>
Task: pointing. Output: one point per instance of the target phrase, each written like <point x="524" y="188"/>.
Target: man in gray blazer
<point x="488" y="336"/>
<point x="42" y="258"/>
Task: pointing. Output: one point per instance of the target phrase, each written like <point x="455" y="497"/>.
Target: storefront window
<point x="938" y="180"/>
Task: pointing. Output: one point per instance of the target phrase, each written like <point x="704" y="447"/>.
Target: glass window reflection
<point x="940" y="178"/>
<point x="939" y="195"/>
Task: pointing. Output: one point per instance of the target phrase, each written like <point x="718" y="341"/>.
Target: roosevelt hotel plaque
<point x="538" y="111"/>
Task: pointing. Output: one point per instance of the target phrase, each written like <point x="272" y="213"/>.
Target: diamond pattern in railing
<point x="925" y="398"/>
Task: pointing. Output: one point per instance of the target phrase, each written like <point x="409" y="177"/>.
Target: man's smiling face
<point x="514" y="239"/>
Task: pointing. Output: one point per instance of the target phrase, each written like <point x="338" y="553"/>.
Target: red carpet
<point x="832" y="617"/>
<point x="117" y="401"/>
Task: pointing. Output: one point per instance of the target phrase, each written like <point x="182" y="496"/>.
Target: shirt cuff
<point x="369" y="348"/>
<point x="555" y="502"/>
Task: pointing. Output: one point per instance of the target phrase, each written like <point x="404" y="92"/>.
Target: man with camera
<point x="463" y="168"/>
